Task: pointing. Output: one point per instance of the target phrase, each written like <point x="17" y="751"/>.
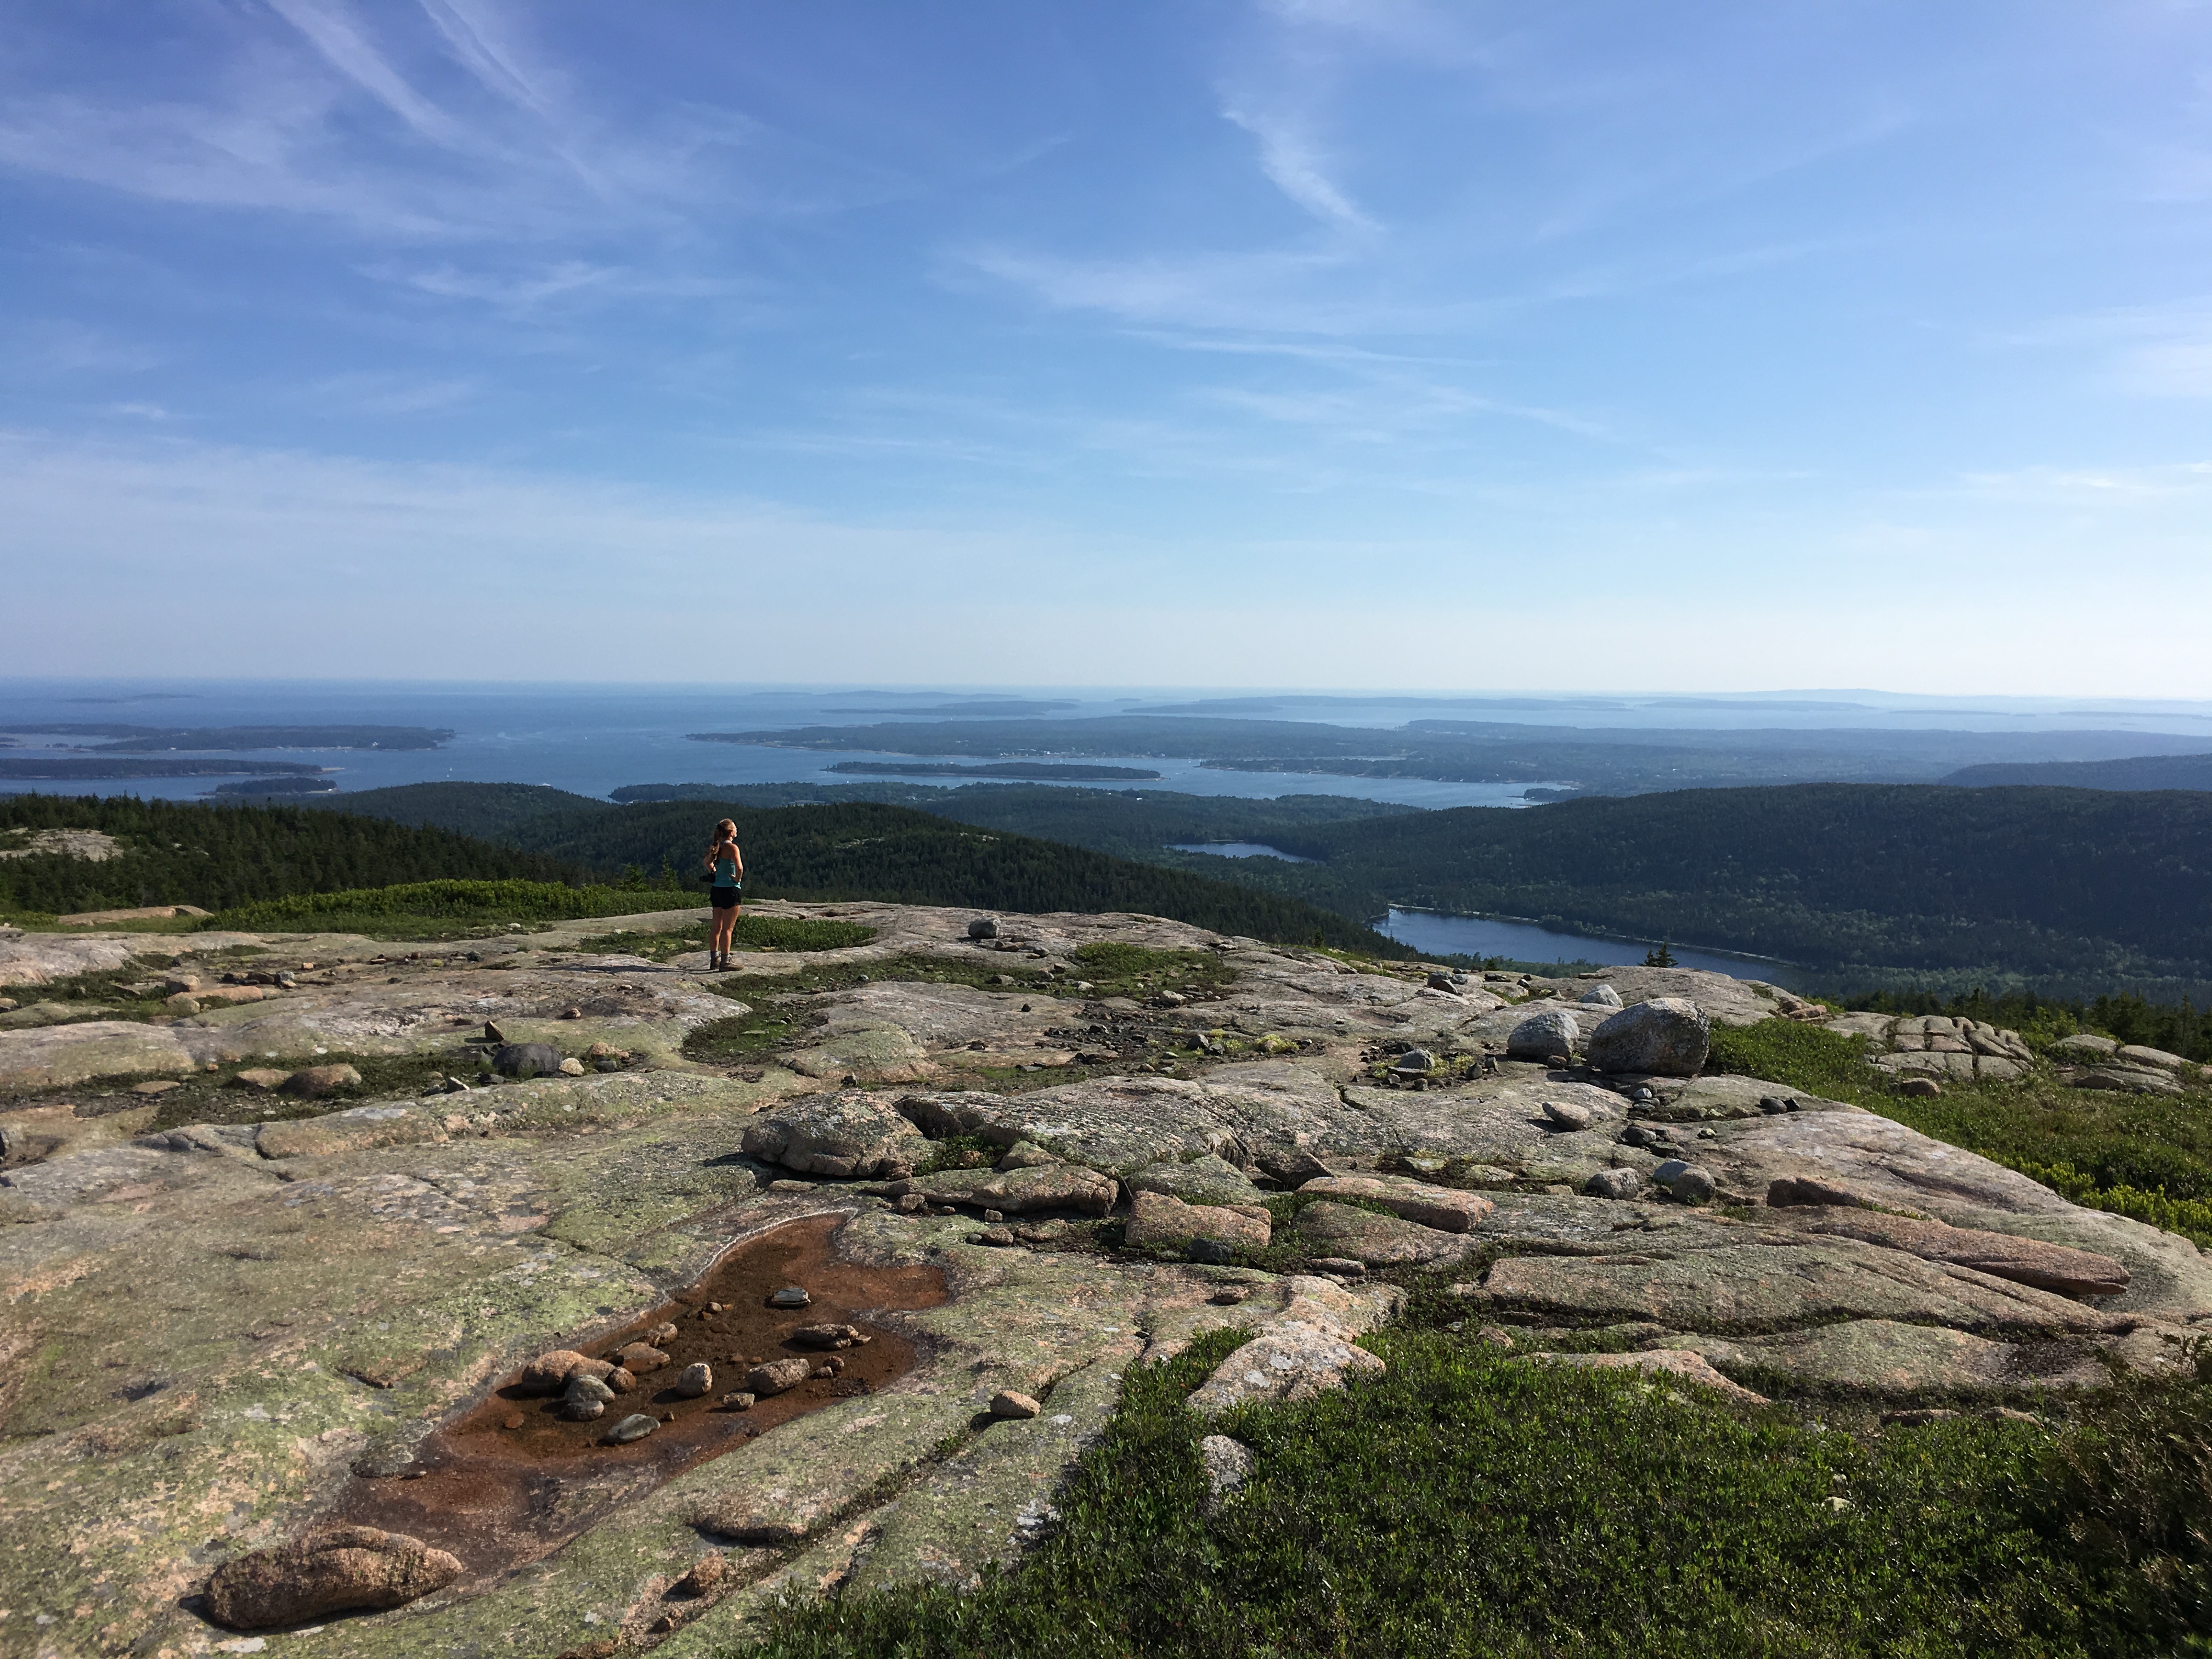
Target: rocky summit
<point x="529" y="1297"/>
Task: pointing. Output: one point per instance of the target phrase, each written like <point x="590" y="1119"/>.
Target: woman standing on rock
<point x="726" y="867"/>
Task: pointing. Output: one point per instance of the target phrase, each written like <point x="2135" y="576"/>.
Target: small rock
<point x="993" y="1218"/>
<point x="1026" y="1155"/>
<point x="1414" y="1062"/>
<point x="1686" y="1182"/>
<point x="583" y="1386"/>
<point x="834" y="1366"/>
<point x="572" y="1013"/>
<point x="620" y="1379"/>
<point x="599" y="1051"/>
<point x="639" y="1357"/>
<point x="1010" y="1405"/>
<point x="1230" y="1296"/>
<point x="1343" y="1265"/>
<point x="740" y="1401"/>
<point x="572" y="1067"/>
<point x="789" y="1297"/>
<point x="1228" y="1465"/>
<point x="996" y="1237"/>
<point x="154" y="1086"/>
<point x="1602" y="996"/>
<point x="265" y="1077"/>
<point x="829" y="1336"/>
<point x="983" y="928"/>
<point x="1921" y="1086"/>
<point x="1614" y="1184"/>
<point x="1775" y="1105"/>
<point x="1210" y="1252"/>
<point x="1540" y="1037"/>
<point x="636" y="1426"/>
<point x="1567" y="1114"/>
<point x="914" y="1204"/>
<point x="512" y="1420"/>
<point x="662" y="1334"/>
<point x="706" y="1576"/>
<point x="578" y="1409"/>
<point x="1443" y="983"/>
<point x="493" y="1034"/>
<point x="1788" y="1191"/>
<point x="776" y="1377"/>
<point x="1002" y="979"/>
<point x="329" y="1569"/>
<point x="1042" y="1232"/>
<point x="1171" y="1000"/>
<point x="693" y="1382"/>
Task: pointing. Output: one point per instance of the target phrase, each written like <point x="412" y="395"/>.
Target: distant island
<point x="67" y="768"/>
<point x="287" y="785"/>
<point x="151" y="739"/>
<point x="1031" y="769"/>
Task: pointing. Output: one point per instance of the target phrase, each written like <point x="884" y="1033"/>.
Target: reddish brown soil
<point x="498" y="1496"/>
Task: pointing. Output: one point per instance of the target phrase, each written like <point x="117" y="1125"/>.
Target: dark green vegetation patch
<point x="1467" y="1504"/>
<point x="222" y="857"/>
<point x="433" y="909"/>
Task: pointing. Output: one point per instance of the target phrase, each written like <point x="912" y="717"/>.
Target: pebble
<point x="639" y="1357"/>
<point x="695" y="1380"/>
<point x="597" y="1051"/>
<point x="662" y="1334"/>
<point x="1008" y="1405"/>
<point x="572" y="1067"/>
<point x="740" y="1401"/>
<point x="998" y="1237"/>
<point x="993" y="1218"/>
<point x="636" y="1426"/>
<point x="829" y="1336"/>
<point x="1229" y="1295"/>
<point x="789" y="1297"/>
<point x="572" y="1013"/>
<point x="512" y="1420"/>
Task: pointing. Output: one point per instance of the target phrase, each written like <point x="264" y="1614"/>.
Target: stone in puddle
<point x="790" y="1297"/>
<point x="586" y="1399"/>
<point x="550" y="1372"/>
<point x="661" y="1334"/>
<point x="694" y="1381"/>
<point x="829" y="1336"/>
<point x="329" y="1569"/>
<point x="636" y="1426"/>
<point x="1007" y="1404"/>
<point x="777" y="1377"/>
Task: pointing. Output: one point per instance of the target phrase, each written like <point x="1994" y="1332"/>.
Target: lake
<point x="1237" y="849"/>
<point x="1439" y="934"/>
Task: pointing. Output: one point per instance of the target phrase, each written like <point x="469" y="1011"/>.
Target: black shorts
<point x="726" y="898"/>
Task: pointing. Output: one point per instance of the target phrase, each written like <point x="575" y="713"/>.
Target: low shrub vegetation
<point x="1466" y="1504"/>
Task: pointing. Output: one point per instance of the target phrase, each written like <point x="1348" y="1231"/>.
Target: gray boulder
<point x="527" y="1060"/>
<point x="1539" y="1037"/>
<point x="842" y="1136"/>
<point x="1600" y="996"/>
<point x="1667" y="1036"/>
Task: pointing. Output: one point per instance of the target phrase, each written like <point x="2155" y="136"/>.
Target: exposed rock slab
<point x="1686" y="1367"/>
<point x="1155" y="1219"/>
<point x="1444" y="1208"/>
<point x="1379" y="1241"/>
<point x="2025" y="1261"/>
<point x="1882" y="1357"/>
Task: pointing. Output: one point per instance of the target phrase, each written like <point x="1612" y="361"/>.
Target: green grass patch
<point x="431" y="909"/>
<point x="1134" y="970"/>
<point x="1465" y="1504"/>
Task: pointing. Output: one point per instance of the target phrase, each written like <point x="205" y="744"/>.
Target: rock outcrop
<point x="1086" y="1181"/>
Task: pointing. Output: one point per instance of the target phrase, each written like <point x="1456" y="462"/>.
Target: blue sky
<point x="1333" y="343"/>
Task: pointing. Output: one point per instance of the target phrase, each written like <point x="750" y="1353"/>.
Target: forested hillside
<point x="2136" y="772"/>
<point x="215" y="857"/>
<point x="2042" y="881"/>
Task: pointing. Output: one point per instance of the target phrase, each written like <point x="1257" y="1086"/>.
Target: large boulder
<point x="1540" y="1037"/>
<point x="843" y="1136"/>
<point x="1667" y="1036"/>
<point x="1292" y="1359"/>
<point x="330" y="1569"/>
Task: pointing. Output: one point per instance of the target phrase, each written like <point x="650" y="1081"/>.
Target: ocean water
<point x="1439" y="934"/>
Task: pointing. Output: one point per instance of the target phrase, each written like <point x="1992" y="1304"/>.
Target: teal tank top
<point x="726" y="872"/>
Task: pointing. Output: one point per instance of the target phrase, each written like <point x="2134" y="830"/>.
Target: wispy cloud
<point x="1290" y="158"/>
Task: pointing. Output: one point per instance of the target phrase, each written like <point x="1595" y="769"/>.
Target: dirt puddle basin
<point x="513" y="1479"/>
